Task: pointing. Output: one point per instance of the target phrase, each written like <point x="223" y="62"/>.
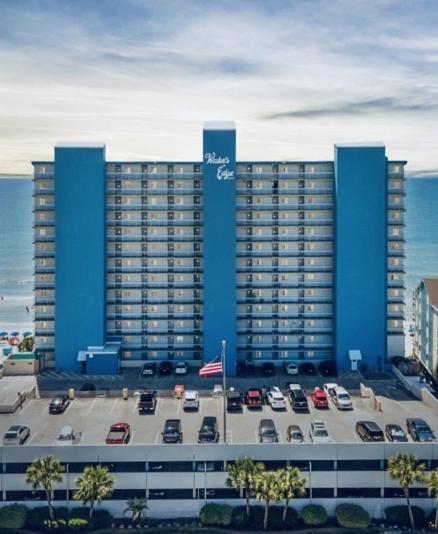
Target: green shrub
<point x="216" y="514"/>
<point x="352" y="516"/>
<point x="314" y="515"/>
<point x="399" y="516"/>
<point x="13" y="516"/>
<point x="292" y="518"/>
<point x="238" y="518"/>
<point x="77" y="524"/>
<point x="275" y="518"/>
<point x="101" y="519"/>
<point x="80" y="512"/>
<point x="36" y="517"/>
<point x="256" y="517"/>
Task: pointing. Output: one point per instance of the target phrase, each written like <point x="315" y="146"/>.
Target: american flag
<point x="211" y="369"/>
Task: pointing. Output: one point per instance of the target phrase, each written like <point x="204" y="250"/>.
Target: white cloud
<point x="144" y="80"/>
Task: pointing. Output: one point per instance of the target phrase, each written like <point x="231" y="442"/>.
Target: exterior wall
<point x="361" y="257"/>
<point x="80" y="252"/>
<point x="426" y="330"/>
<point x="219" y="184"/>
<point x="178" y="479"/>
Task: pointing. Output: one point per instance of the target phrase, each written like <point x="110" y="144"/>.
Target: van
<point x="369" y="431"/>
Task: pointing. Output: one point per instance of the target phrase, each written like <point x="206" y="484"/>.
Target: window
<point x="359" y="492"/>
<point x="359" y="465"/>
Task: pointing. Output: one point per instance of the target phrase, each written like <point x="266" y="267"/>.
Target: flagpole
<point x="224" y="387"/>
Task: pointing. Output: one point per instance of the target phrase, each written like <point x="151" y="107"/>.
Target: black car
<point x="172" y="432"/>
<point x="59" y="404"/>
<point x="209" y="431"/>
<point x="369" y="431"/>
<point x="268" y="369"/>
<point x="297" y="398"/>
<point x="419" y="430"/>
<point x="395" y="433"/>
<point x="165" y="368"/>
<point x="328" y="368"/>
<point x="234" y="401"/>
<point x="147" y="401"/>
<point x="267" y="431"/>
<point x="149" y="369"/>
<point x="245" y="368"/>
<point x="308" y="369"/>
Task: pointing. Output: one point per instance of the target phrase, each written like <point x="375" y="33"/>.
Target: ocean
<point x="16" y="254"/>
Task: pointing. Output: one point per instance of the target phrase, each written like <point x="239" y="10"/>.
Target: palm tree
<point x="432" y="485"/>
<point x="407" y="470"/>
<point x="95" y="485"/>
<point x="267" y="489"/>
<point x="291" y="485"/>
<point x="136" y="507"/>
<point x="45" y="472"/>
<point x="242" y="475"/>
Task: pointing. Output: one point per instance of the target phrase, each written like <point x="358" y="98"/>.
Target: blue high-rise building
<point x="286" y="261"/>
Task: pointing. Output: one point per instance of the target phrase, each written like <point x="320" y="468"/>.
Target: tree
<point x="432" y="485"/>
<point x="136" y="507"/>
<point x="242" y="475"/>
<point x="45" y="472"/>
<point x="95" y="485"/>
<point x="267" y="489"/>
<point x="291" y="485"/>
<point x="407" y="470"/>
<point x="26" y="344"/>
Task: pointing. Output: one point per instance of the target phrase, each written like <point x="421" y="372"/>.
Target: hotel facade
<point x="286" y="261"/>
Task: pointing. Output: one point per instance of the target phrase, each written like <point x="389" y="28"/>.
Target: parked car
<point x="268" y="369"/>
<point x="245" y="368"/>
<point x="165" y="368"/>
<point x="419" y="430"/>
<point x="16" y="435"/>
<point x="181" y="368"/>
<point x="67" y="436"/>
<point x="319" y="433"/>
<point x="234" y="401"/>
<point x="172" y="432"/>
<point x="119" y="434"/>
<point x="147" y="401"/>
<point x="209" y="431"/>
<point x="369" y="431"/>
<point x="253" y="398"/>
<point x="275" y="399"/>
<point x="297" y="397"/>
<point x="59" y="404"/>
<point x="149" y="369"/>
<point x="294" y="434"/>
<point x="267" y="431"/>
<point x="395" y="433"/>
<point x="308" y="369"/>
<point x="328" y="368"/>
<point x="290" y="368"/>
<point x="339" y="396"/>
<point x="191" y="400"/>
<point x="319" y="399"/>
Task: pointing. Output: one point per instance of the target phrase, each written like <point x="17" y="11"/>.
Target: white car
<point x="291" y="368"/>
<point x="276" y="399"/>
<point x="180" y="368"/>
<point x="67" y="436"/>
<point x="191" y="400"/>
<point x="16" y="435"/>
<point x="319" y="433"/>
<point x="339" y="396"/>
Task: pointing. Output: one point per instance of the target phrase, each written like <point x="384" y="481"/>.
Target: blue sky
<point x="296" y="76"/>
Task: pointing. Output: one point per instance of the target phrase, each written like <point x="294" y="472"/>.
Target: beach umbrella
<point x="27" y="334"/>
<point x="14" y="334"/>
<point x="13" y="341"/>
<point x="3" y="334"/>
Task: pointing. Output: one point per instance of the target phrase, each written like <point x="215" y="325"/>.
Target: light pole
<point x="224" y="387"/>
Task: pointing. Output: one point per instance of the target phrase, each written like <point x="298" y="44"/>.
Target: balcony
<point x="284" y="207"/>
<point x="153" y="192"/>
<point x="125" y="238"/>
<point x="288" y="238"/>
<point x="282" y="253"/>
<point x="284" y="222"/>
<point x="164" y="222"/>
<point x="153" y="254"/>
<point x="305" y="175"/>
<point x="279" y="191"/>
<point x="156" y="207"/>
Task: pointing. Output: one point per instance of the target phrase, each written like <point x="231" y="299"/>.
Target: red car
<point x="319" y="398"/>
<point x="118" y="434"/>
<point x="253" y="398"/>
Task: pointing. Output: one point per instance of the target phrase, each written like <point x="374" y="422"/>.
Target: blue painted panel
<point x="103" y="364"/>
<point x="80" y="253"/>
<point x="360" y="254"/>
<point x="219" y="188"/>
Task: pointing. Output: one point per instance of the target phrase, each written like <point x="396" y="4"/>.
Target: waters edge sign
<point x="223" y="172"/>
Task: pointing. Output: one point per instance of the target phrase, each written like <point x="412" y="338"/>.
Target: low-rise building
<point x="426" y="325"/>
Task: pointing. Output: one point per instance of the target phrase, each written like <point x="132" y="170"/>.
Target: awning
<point x="355" y="355"/>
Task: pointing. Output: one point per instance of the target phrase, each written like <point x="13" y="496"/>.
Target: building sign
<point x="222" y="162"/>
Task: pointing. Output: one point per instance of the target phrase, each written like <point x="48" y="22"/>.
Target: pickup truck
<point x="119" y="434"/>
<point x="253" y="398"/>
<point x="319" y="398"/>
<point x="147" y="401"/>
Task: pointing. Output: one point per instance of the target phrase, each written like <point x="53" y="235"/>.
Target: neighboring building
<point x="298" y="261"/>
<point x="426" y="325"/>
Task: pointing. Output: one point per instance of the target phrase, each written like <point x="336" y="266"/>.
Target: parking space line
<point x="134" y="408"/>
<point x="68" y="407"/>
<point x="114" y="405"/>
<point x="256" y="436"/>
<point x="229" y="436"/>
<point x="32" y="438"/>
<point x="93" y="402"/>
<point x="200" y="406"/>
<point x="46" y="410"/>
<point x="178" y="410"/>
<point x="131" y="439"/>
<point x="25" y="407"/>
<point x="157" y="438"/>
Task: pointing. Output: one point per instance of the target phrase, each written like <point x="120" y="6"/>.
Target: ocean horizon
<point x="16" y="245"/>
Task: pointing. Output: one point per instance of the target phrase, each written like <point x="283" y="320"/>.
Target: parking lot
<point x="92" y="417"/>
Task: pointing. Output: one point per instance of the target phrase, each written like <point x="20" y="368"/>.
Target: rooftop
<point x="432" y="289"/>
